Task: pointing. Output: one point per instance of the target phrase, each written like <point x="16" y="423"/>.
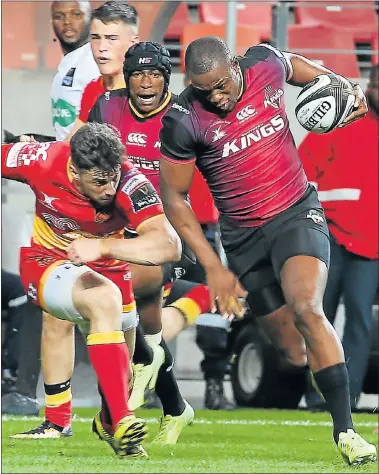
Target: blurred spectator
<point x="343" y="165"/>
<point x="71" y="23"/>
<point x="20" y="365"/>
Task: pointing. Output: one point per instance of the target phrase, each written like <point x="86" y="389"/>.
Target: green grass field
<point x="241" y="441"/>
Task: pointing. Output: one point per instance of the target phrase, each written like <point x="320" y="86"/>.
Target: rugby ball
<point x="324" y="103"/>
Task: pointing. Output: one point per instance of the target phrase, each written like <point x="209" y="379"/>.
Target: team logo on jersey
<point x="48" y="201"/>
<point x="272" y="97"/>
<point x="61" y="223"/>
<point x="253" y="136"/>
<point x="216" y="130"/>
<point x="138" y="139"/>
<point x="69" y="78"/>
<point x="316" y="216"/>
<point x="246" y="113"/>
<point x="101" y="217"/>
<point x="63" y="112"/>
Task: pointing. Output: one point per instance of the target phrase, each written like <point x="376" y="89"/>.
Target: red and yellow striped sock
<point x="109" y="356"/>
<point x="194" y="303"/>
<point x="58" y="408"/>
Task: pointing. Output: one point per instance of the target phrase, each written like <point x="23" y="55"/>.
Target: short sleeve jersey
<point x="248" y="156"/>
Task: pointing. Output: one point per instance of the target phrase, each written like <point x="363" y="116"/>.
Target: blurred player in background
<point x="231" y="123"/>
<point x="86" y="194"/>
<point x="113" y="29"/>
<point x="348" y="191"/>
<point x="71" y="22"/>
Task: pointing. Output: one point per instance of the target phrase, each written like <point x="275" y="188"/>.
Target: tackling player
<point x="231" y="123"/>
<point x="113" y="29"/>
<point x="76" y="266"/>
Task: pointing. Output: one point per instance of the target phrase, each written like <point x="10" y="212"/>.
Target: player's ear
<point x="235" y="64"/>
<point x="74" y="172"/>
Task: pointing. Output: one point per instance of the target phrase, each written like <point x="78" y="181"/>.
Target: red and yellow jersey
<point x="92" y="91"/>
<point x="63" y="214"/>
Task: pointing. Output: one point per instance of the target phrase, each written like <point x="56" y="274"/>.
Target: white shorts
<point x="57" y="296"/>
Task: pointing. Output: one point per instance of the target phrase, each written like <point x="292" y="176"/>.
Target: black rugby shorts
<point x="256" y="254"/>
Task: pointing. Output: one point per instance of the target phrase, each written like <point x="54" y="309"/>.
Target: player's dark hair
<point x="113" y="10"/>
<point x="205" y="54"/>
<point x="97" y="145"/>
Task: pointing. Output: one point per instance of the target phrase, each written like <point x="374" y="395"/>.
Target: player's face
<point x="372" y="92"/>
<point x="98" y="185"/>
<point x="146" y="89"/>
<point x="70" y="23"/>
<point x="220" y="87"/>
<point x="110" y="42"/>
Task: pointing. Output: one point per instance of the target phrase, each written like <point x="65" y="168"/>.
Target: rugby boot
<point x="145" y="376"/>
<point x="128" y="436"/>
<point x="104" y="434"/>
<point x="47" y="430"/>
<point x="171" y="427"/>
<point x="354" y="449"/>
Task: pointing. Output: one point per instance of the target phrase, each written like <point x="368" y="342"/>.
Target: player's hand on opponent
<point x="360" y="107"/>
<point x="225" y="292"/>
<point x="85" y="250"/>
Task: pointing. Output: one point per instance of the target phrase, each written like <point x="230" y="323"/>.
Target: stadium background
<point x="342" y="35"/>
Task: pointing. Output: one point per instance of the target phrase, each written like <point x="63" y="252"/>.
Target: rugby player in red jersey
<point x="76" y="267"/>
<point x="231" y="123"/>
<point x="113" y="29"/>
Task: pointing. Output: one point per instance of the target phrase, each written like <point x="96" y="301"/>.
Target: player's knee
<point x="308" y="313"/>
<point x="103" y="301"/>
<point x="296" y="356"/>
<point x="55" y="329"/>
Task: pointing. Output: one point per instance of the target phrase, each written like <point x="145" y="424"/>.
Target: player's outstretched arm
<point x="175" y="182"/>
<point x="305" y="70"/>
<point x="157" y="243"/>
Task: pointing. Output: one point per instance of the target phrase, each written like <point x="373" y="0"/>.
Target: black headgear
<point x="147" y="55"/>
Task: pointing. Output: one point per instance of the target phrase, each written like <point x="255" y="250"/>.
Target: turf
<point x="241" y="441"/>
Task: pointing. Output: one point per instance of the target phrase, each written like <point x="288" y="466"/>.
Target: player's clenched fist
<point x="85" y="250"/>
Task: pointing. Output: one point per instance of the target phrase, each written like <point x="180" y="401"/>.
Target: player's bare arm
<point x="305" y="70"/>
<point x="157" y="243"/>
<point x="223" y="285"/>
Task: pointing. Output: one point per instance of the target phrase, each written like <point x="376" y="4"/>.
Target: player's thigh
<point x="300" y="257"/>
<point x="122" y="279"/>
<point x="248" y="259"/>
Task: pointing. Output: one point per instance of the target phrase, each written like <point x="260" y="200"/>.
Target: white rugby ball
<point x="324" y="103"/>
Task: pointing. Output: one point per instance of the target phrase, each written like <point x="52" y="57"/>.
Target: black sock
<point x="166" y="388"/>
<point x="143" y="354"/>
<point x="105" y="413"/>
<point x="333" y="383"/>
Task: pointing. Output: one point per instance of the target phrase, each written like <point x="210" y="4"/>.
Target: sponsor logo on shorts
<point x="32" y="292"/>
<point x="316" y="216"/>
<point x="179" y="272"/>
<point x="246" y="113"/>
<point x="272" y="97"/>
<point x="144" y="196"/>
